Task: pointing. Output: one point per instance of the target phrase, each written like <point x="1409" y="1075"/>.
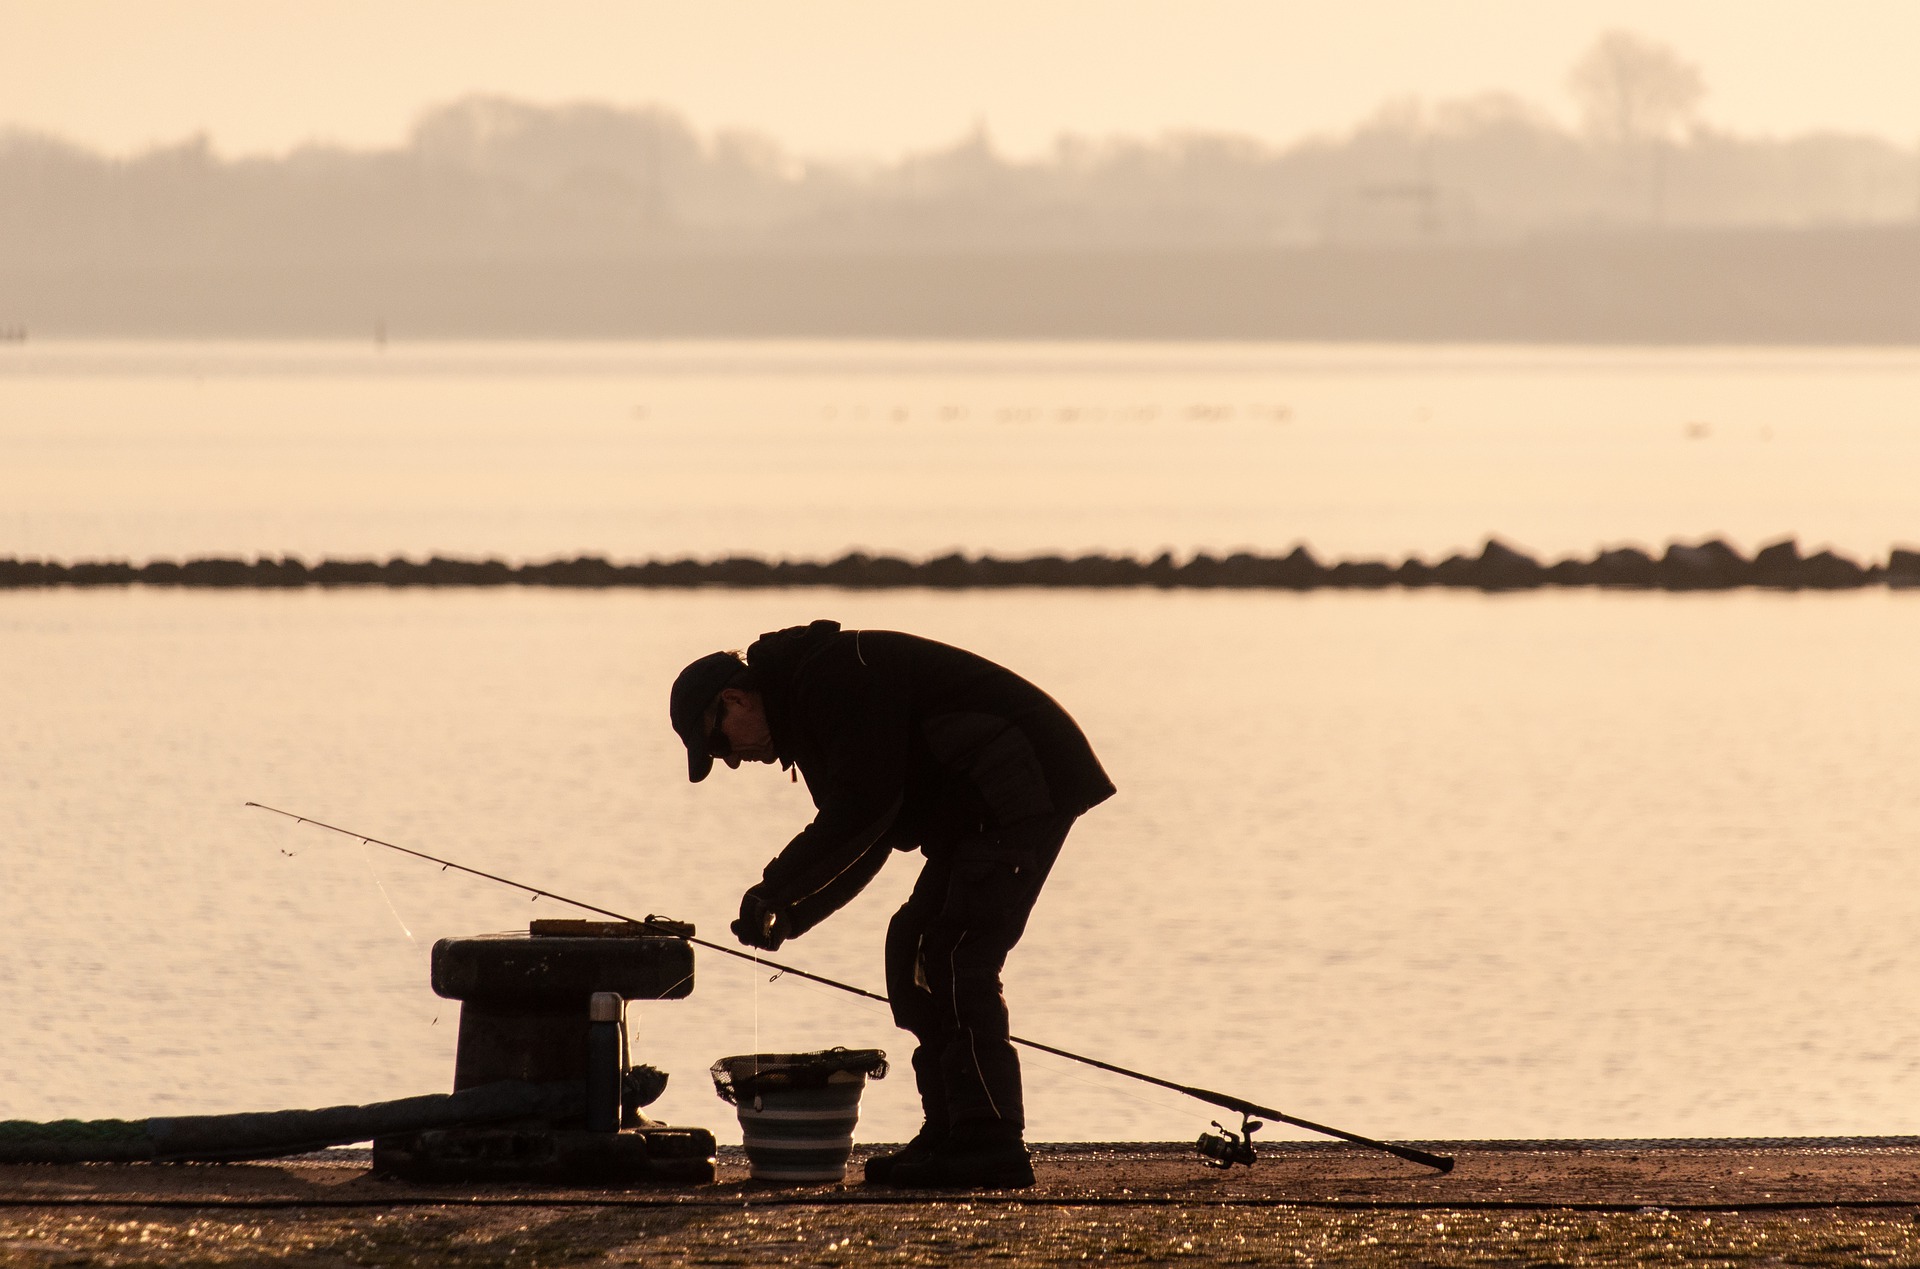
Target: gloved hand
<point x="761" y="924"/>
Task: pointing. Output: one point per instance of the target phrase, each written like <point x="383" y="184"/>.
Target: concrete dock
<point x="1810" y="1201"/>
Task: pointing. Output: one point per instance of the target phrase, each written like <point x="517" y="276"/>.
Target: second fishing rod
<point x="1223" y="1150"/>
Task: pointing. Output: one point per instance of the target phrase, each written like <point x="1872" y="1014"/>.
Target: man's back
<point x="929" y="706"/>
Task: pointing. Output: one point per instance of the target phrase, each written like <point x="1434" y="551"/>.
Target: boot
<point x="988" y="1154"/>
<point x="933" y="1113"/>
<point x="925" y="1142"/>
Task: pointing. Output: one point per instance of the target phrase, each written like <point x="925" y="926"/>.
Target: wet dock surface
<point x="1820" y="1201"/>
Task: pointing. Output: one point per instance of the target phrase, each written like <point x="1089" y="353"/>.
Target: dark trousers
<point x="946" y="947"/>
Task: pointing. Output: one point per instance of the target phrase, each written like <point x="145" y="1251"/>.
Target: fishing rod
<point x="675" y="929"/>
<point x="1221" y="1150"/>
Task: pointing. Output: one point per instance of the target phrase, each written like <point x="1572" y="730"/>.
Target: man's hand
<point x="762" y="924"/>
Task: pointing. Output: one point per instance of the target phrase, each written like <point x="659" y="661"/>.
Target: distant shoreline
<point x="1711" y="565"/>
<point x="1855" y="286"/>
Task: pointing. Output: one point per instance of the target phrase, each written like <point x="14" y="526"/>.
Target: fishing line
<point x="1231" y="1147"/>
<point x="367" y="853"/>
<point x="280" y="838"/>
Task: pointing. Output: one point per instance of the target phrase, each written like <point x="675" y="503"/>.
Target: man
<point x="909" y="743"/>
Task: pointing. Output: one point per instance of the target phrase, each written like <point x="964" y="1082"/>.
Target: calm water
<point x="1424" y="865"/>
<point x="800" y="450"/>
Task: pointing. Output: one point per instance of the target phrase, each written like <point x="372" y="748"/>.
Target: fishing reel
<point x="1225" y="1148"/>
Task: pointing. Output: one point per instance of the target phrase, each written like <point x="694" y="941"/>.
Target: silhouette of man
<point x="907" y="743"/>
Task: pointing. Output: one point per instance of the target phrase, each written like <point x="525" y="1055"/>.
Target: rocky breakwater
<point x="1703" y="566"/>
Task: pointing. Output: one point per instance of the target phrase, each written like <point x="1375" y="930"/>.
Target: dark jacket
<point x="905" y="742"/>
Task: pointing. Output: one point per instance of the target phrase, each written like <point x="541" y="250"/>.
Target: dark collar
<point x="776" y="696"/>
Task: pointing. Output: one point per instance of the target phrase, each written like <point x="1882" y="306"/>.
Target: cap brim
<point x="699" y="762"/>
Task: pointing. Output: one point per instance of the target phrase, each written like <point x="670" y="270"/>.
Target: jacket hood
<point x="772" y="662"/>
<point x="774" y="656"/>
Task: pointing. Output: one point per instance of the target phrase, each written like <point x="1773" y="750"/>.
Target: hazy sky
<point x="875" y="77"/>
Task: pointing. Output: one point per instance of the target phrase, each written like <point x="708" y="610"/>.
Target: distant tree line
<point x="498" y="179"/>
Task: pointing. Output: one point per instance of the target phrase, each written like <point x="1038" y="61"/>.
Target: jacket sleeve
<point x="839" y="892"/>
<point x="860" y="722"/>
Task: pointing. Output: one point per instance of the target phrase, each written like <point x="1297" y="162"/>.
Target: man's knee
<point x="903" y="931"/>
<point x="963" y="985"/>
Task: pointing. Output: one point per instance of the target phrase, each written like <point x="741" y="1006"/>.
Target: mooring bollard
<point x="525" y="998"/>
<point x="549" y="1007"/>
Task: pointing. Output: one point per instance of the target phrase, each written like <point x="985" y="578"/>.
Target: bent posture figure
<point x="907" y="743"/>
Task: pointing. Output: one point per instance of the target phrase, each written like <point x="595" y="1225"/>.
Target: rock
<point x="787" y="573"/>
<point x="1414" y="571"/>
<point x="1825" y="570"/>
<point x="1713" y="565"/>
<point x="1362" y="574"/>
<point x="1624" y="566"/>
<point x="441" y="571"/>
<point x="891" y="571"/>
<point x="848" y="570"/>
<point x="101" y="573"/>
<point x="1052" y="571"/>
<point x="1903" y="569"/>
<point x="950" y="572"/>
<point x="1457" y="570"/>
<point x="1162" y="572"/>
<point x="401" y="571"/>
<point x="1108" y="570"/>
<point x="1202" y="570"/>
<point x="217" y="572"/>
<point x="675" y="573"/>
<point x="740" y="571"/>
<point x="584" y="570"/>
<point x="1296" y="570"/>
<point x="348" y="573"/>
<point x="1571" y="572"/>
<point x="1244" y="569"/>
<point x="290" y="571"/>
<point x="1777" y="565"/>
<point x="1503" y="568"/>
<point x="991" y="571"/>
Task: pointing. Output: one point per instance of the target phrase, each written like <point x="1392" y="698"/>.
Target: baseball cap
<point x="693" y="691"/>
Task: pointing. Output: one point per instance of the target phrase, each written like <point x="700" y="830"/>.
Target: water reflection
<point x="1422" y="864"/>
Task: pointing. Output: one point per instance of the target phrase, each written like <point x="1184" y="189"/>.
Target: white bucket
<point x="798" y="1110"/>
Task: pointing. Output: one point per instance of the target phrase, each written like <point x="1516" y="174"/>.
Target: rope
<point x="276" y="1134"/>
<point x="74" y="1141"/>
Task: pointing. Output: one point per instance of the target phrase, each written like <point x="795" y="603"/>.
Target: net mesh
<point x="750" y="1074"/>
